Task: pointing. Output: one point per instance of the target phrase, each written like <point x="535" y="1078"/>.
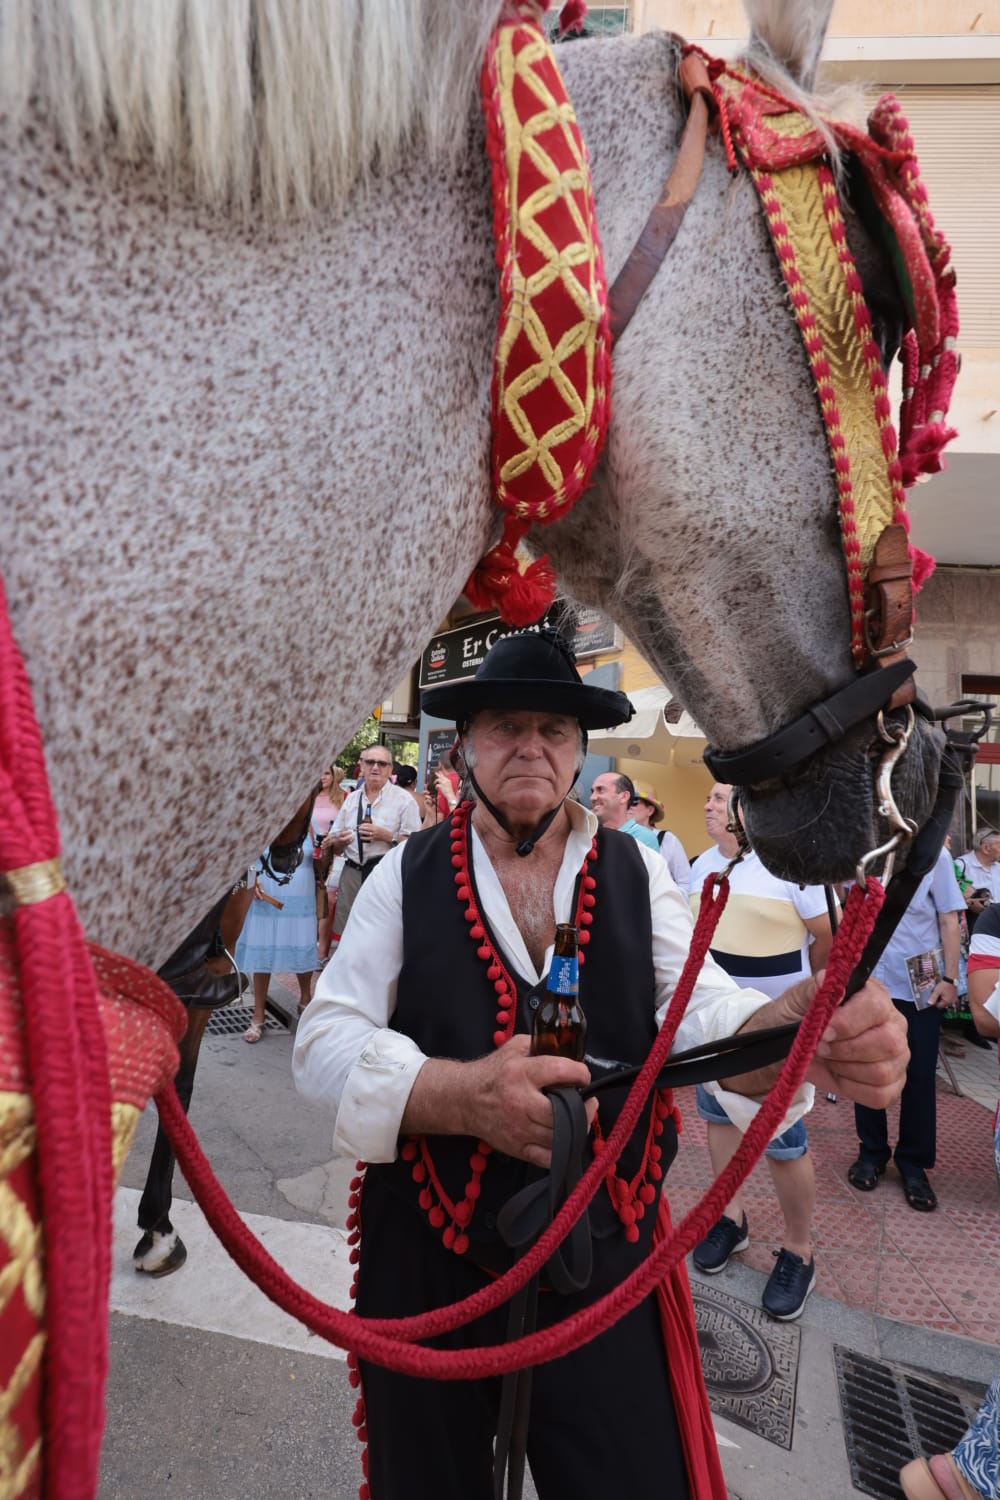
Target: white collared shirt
<point x="392" y="808"/>
<point x="347" y="1058"/>
<point x="981" y="875"/>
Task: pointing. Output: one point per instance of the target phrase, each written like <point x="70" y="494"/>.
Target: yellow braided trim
<point x="33" y="883"/>
<point x="124" y="1119"/>
<point x="852" y="411"/>
<point x="19" y="1232"/>
<point x="16" y="1468"/>
<point x="521" y="141"/>
<point x="24" y="1242"/>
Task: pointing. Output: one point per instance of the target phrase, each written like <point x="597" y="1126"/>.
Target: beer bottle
<point x="560" y="1026"/>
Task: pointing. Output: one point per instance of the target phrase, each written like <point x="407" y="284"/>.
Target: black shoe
<point x="788" y="1286"/>
<point x="723" y="1240"/>
<point x="919" y="1193"/>
<point x="864" y="1175"/>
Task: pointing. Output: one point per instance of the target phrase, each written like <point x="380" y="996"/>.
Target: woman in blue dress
<point x="279" y="935"/>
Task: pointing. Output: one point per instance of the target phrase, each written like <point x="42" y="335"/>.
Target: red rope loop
<point x="388" y="1342"/>
<point x="68" y="1066"/>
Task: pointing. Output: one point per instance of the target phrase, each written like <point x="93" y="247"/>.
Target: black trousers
<point x="916" y="1148"/>
<point x="602" y="1420"/>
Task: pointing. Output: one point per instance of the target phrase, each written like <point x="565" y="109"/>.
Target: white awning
<point x="649" y="736"/>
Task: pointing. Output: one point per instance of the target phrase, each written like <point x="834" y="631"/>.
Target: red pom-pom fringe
<point x="498" y="583"/>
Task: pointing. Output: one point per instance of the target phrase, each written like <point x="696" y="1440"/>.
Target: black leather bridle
<point x="823" y="723"/>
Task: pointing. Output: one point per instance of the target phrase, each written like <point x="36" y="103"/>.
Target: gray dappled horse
<point x="250" y="306"/>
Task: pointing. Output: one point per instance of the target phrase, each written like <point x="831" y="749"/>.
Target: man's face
<point x="609" y="804"/>
<point x="376" y="764"/>
<point x="990" y="851"/>
<point x="717" y="811"/>
<point x="525" y="762"/>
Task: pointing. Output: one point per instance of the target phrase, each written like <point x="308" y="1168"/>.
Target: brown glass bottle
<point x="560" y="1026"/>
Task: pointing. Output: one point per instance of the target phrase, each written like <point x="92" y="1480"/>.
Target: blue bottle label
<point x="564" y="976"/>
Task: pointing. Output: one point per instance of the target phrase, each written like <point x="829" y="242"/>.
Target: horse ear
<point x="790" y="32"/>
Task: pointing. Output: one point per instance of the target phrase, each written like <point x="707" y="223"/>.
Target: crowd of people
<point x="296" y="917"/>
<point x="415" y="1079"/>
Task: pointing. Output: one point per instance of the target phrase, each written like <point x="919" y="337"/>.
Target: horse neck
<point x="710" y="534"/>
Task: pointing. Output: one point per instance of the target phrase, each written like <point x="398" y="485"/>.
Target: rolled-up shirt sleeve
<point x="718" y="1006"/>
<point x="347" y="1058"/>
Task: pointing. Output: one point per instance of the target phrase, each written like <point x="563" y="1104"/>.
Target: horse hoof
<point x="158" y="1254"/>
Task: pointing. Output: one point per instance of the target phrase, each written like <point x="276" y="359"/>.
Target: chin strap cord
<point x="523" y="846"/>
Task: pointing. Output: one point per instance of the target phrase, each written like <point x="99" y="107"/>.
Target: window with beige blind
<point x="956" y="128"/>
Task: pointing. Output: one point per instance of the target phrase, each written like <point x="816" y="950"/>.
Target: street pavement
<point x="215" y="1393"/>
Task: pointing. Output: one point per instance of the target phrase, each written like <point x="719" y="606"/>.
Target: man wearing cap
<point x="981" y="866"/>
<point x="417" y="1039"/>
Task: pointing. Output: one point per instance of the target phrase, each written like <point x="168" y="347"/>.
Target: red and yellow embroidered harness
<point x="551" y="388"/>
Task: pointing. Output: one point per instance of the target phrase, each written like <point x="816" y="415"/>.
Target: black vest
<point x="446" y="1002"/>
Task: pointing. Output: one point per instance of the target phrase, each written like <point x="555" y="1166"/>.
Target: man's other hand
<point x="863" y="1053"/>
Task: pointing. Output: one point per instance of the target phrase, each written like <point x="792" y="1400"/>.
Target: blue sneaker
<point x="788" y="1286"/>
<point x="724" y="1239"/>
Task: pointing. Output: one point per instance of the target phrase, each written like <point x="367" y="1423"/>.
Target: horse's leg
<point x="160" y="1249"/>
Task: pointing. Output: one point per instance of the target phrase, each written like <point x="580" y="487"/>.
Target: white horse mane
<point x="288" y="101"/>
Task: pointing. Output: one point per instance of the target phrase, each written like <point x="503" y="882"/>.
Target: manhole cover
<point x="230" y="1019"/>
<point x="892" y="1414"/>
<point x="749" y="1362"/>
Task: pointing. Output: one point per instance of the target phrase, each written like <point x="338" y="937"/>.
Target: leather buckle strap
<point x="660" y="229"/>
<point x="889" y="601"/>
<point x="822" y="724"/>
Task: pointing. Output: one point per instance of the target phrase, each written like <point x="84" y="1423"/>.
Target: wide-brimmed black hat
<point x="531" y="670"/>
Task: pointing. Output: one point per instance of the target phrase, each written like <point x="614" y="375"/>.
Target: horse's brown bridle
<point x="885" y="678"/>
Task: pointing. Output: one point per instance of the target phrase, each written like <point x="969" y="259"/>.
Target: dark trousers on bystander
<point x="917" y="1144"/>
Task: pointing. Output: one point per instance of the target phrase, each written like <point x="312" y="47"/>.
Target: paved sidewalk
<point x="213" y="1396"/>
<point x="939" y="1271"/>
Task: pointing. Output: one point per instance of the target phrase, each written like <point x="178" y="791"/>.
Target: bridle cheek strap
<point x="824" y="723"/>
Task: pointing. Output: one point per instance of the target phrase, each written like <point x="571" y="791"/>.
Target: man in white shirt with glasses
<point x="376" y="815"/>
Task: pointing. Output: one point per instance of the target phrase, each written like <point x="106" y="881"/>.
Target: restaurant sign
<point x="457" y="654"/>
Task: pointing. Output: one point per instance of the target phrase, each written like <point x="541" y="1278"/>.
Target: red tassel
<point x="498" y="583"/>
<point x="572" y="16"/>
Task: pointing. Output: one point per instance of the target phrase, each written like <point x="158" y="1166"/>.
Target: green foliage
<point x="365" y="736"/>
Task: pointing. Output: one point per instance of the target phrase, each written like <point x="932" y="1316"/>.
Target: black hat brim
<point x="592" y="707"/>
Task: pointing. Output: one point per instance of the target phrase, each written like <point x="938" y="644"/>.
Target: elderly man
<point x="418" y="1042"/>
<point x="373" y="819"/>
<point x="981" y="866"/>
<point x="612" y="797"/>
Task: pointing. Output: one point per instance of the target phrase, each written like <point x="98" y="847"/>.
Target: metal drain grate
<point x="229" y="1020"/>
<point x="891" y="1415"/>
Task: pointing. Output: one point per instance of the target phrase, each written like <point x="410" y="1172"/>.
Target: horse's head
<point x="719" y="542"/>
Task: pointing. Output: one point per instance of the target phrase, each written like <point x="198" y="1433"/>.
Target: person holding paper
<point x="920" y="970"/>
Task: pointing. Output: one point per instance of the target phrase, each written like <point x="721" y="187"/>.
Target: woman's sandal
<point x="938" y="1479"/>
<point x="254" y="1032"/>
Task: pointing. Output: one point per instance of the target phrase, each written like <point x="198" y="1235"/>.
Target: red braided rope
<point x="68" y="1067"/>
<point x="385" y="1341"/>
